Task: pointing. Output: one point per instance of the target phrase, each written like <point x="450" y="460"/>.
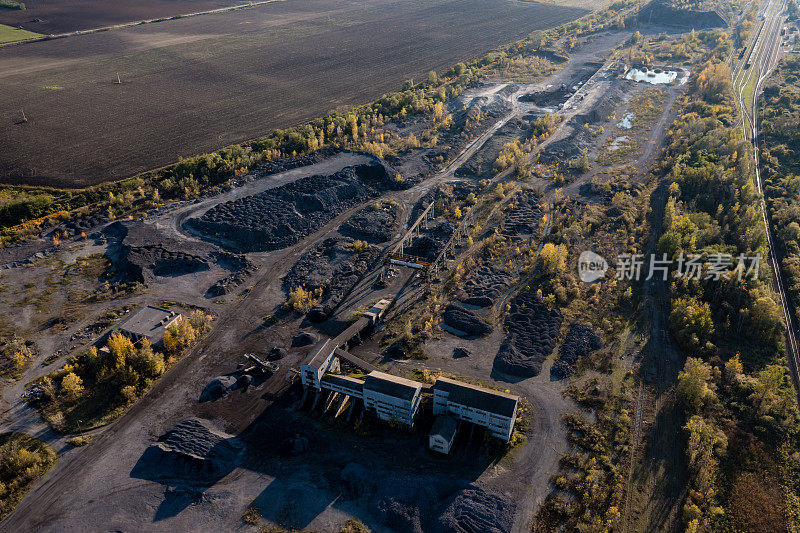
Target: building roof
<point x="390" y="385"/>
<point x="444" y="426"/>
<point x="148" y="322"/>
<point x="477" y="397"/>
<point x="321" y="352"/>
<point x="346" y="382"/>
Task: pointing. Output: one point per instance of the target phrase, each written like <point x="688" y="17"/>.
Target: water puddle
<point x="627" y="121"/>
<point x="616" y="145"/>
<point x="651" y="76"/>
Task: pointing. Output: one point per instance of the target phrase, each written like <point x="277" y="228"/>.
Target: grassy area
<point x="23" y="460"/>
<point x="749" y="89"/>
<point x="625" y="144"/>
<point x="9" y="34"/>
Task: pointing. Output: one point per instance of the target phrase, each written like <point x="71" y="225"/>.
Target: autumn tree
<point x="554" y="258"/>
<point x="121" y="348"/>
<point x="71" y="385"/>
<point x="692" y="324"/>
<point x="693" y="384"/>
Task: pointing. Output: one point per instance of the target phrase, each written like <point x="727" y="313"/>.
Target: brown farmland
<point x="61" y="16"/>
<point x="196" y="84"/>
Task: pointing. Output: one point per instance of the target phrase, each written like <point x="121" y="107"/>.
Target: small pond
<point x="651" y="76"/>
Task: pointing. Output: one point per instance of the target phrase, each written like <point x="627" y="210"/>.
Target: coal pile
<point x="403" y="517"/>
<point x="524" y="219"/>
<point x="277" y="353"/>
<point x="476" y="510"/>
<point x="431" y="240"/>
<point x="217" y="388"/>
<point x="486" y="286"/>
<point x="282" y="165"/>
<point x="551" y="98"/>
<point x="581" y="340"/>
<point x="144" y="255"/>
<point x="282" y="216"/>
<point x="161" y="262"/>
<point x="371" y="224"/>
<point x="532" y="332"/>
<point x="663" y="12"/>
<point x="466" y="321"/>
<point x="84" y="224"/>
<point x="304" y="338"/>
<point x="332" y="266"/>
<point x="192" y="449"/>
<point x="459" y="353"/>
<point x="241" y="268"/>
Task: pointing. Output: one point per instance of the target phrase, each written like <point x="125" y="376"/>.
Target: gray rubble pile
<point x="192" y="449"/>
<point x="532" y="333"/>
<point x="580" y="340"/>
<point x="466" y="321"/>
<point x="476" y="510"/>
<point x="282" y="216"/>
<point x="486" y="285"/>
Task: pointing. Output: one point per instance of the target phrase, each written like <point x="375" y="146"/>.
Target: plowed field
<point x="197" y="84"/>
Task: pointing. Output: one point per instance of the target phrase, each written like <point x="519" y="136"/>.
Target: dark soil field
<point x="197" y="84"/>
<point x="62" y="16"/>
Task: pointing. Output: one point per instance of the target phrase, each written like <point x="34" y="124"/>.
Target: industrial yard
<point x="394" y="333"/>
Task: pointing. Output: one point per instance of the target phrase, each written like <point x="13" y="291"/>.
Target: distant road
<point x="197" y="84"/>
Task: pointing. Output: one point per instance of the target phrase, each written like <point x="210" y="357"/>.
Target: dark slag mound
<point x="241" y="268"/>
<point x="282" y="165"/>
<point x="371" y="225"/>
<point x="524" y="217"/>
<point x="474" y="510"/>
<point x="581" y="340"/>
<point x="280" y="217"/>
<point x="304" y="338"/>
<point x="192" y="449"/>
<point x="486" y="286"/>
<point x="458" y="353"/>
<point x="403" y="517"/>
<point x="532" y="332"/>
<point x="144" y="254"/>
<point x="662" y="12"/>
<point x="465" y="320"/>
<point x="217" y="388"/>
<point x="84" y="224"/>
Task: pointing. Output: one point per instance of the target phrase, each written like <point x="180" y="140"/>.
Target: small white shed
<point x="442" y="434"/>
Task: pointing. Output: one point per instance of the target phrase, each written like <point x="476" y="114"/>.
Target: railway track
<point x="765" y="56"/>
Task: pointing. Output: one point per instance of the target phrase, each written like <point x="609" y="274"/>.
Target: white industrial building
<point x="389" y="397"/>
<point x="395" y="398"/>
<point x="392" y="397"/>
<point x="496" y="411"/>
<point x="442" y="434"/>
<point x="320" y="361"/>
